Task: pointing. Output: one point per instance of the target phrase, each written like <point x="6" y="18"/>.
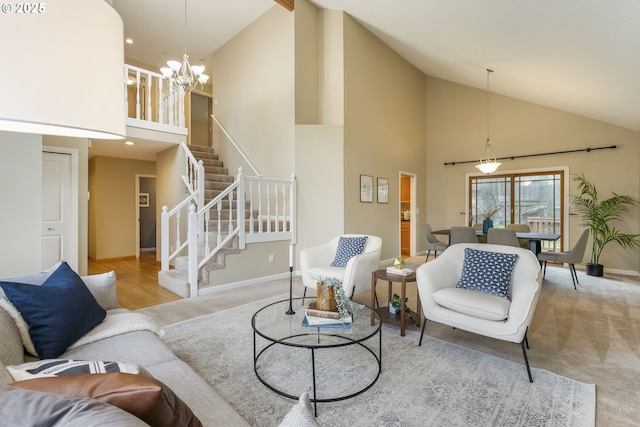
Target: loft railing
<point x="152" y="102"/>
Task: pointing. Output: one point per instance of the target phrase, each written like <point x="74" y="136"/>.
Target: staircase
<point x="268" y="209"/>
<point x="216" y="180"/>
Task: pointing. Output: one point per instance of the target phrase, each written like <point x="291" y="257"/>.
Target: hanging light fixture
<point x="184" y="75"/>
<point x="488" y="163"/>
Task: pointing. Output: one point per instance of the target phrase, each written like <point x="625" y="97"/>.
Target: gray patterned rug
<point x="438" y="384"/>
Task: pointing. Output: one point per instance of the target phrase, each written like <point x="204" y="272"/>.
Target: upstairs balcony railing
<point x="152" y="102"/>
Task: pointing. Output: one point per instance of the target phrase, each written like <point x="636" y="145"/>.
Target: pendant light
<point x="186" y="76"/>
<point x="488" y="163"/>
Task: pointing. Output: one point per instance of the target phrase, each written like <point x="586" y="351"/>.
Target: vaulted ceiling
<point x="581" y="56"/>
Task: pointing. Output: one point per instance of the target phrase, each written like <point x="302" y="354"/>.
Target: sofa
<point x="140" y="346"/>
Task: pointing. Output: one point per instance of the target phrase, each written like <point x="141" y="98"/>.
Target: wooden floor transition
<point x="137" y="283"/>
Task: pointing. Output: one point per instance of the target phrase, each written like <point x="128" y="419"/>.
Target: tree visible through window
<point x="531" y="199"/>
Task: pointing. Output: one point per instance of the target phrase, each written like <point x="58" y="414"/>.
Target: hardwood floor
<point x="137" y="283"/>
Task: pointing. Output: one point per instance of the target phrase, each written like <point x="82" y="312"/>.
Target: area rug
<point x="437" y="384"/>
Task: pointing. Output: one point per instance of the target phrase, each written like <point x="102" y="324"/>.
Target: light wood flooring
<point x="137" y="283"/>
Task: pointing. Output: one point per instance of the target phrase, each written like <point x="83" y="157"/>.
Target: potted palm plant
<point x="597" y="216"/>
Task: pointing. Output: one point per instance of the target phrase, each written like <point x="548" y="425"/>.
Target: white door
<point x="57" y="210"/>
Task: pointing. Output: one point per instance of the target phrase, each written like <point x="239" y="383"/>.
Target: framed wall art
<point x="383" y="190"/>
<point x="366" y="188"/>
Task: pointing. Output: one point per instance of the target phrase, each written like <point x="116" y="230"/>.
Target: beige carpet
<point x="591" y="335"/>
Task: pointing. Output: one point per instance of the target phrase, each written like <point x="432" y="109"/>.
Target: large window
<point x="527" y="198"/>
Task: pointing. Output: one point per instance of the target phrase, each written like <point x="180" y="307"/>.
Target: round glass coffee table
<point x="347" y="361"/>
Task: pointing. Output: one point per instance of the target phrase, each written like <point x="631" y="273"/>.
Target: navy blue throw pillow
<point x="58" y="313"/>
<point x="347" y="248"/>
<point x="488" y="272"/>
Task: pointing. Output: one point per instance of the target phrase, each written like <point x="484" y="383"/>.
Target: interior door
<point x="57" y="210"/>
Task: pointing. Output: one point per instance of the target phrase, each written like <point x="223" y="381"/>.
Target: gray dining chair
<point x="432" y="243"/>
<point x="502" y="236"/>
<point x="462" y="235"/>
<point x="576" y="254"/>
<point x="521" y="228"/>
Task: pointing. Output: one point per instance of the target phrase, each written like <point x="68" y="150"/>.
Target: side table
<point x="383" y="312"/>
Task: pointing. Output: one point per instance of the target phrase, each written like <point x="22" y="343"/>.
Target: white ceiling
<point x="580" y="56"/>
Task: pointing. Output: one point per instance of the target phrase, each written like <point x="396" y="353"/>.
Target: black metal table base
<point x="315" y="399"/>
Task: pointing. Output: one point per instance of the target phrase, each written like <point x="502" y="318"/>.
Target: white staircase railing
<point x="152" y="102"/>
<point x="270" y="203"/>
<point x="193" y="179"/>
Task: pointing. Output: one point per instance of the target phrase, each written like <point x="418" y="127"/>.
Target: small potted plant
<point x="395" y="307"/>
<point x="597" y="216"/>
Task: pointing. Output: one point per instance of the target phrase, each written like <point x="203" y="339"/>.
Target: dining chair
<point x="576" y="254"/>
<point x="462" y="235"/>
<point x="502" y="236"/>
<point x="521" y="228"/>
<point x="432" y="243"/>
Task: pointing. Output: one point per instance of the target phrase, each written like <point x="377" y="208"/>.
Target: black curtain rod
<point x="588" y="150"/>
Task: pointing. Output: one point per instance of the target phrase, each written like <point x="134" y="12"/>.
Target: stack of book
<point x="315" y="318"/>
<point x="400" y="271"/>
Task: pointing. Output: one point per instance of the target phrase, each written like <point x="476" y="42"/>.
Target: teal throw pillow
<point x="488" y="272"/>
<point x="347" y="248"/>
<point x="58" y="313"/>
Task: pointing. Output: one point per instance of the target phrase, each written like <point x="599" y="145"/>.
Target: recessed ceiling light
<point x="129" y="143"/>
<point x="128" y="41"/>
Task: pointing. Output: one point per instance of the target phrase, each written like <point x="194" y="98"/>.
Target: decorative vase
<point x="596" y="270"/>
<point x="392" y="309"/>
<point x="486" y="225"/>
<point x="325" y="297"/>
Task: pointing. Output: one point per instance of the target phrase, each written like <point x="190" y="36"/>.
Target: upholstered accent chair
<point x="431" y="241"/>
<point x="316" y="262"/>
<point x="575" y="255"/>
<point x="502" y="236"/>
<point x="446" y="299"/>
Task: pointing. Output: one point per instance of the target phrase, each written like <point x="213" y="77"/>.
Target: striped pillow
<point x="62" y="367"/>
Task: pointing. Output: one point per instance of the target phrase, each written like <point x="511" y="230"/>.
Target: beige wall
<point x="21" y="196"/>
<point x="456" y="131"/>
<point x="113" y="205"/>
<point x="253" y="96"/>
<point x="384" y="134"/>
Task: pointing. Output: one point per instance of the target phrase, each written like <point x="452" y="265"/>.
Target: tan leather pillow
<point x="146" y="398"/>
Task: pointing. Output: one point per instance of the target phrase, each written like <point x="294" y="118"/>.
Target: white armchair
<point x="315" y="262"/>
<point x="478" y="312"/>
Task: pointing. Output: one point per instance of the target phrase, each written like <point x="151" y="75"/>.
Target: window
<point x="534" y="199"/>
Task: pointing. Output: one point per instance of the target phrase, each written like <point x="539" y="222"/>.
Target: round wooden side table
<point x="402" y="319"/>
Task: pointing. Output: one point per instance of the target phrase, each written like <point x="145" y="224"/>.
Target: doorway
<point x="407" y="214"/>
<point x="59" y="206"/>
<point x="201" y="122"/>
<point x="146" y="214"/>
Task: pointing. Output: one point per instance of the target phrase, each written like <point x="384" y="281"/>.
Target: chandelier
<point x="488" y="163"/>
<point x="184" y="75"/>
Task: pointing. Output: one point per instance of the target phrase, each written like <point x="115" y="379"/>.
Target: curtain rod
<point x="588" y="150"/>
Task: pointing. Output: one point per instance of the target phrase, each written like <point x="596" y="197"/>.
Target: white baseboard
<point x="244" y="283"/>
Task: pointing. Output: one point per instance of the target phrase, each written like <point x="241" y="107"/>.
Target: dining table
<point x="535" y="239"/>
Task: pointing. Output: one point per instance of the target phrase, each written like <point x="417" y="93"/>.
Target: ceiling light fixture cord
<point x="488" y="163"/>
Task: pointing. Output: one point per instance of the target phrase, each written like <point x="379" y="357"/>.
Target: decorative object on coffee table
<point x="331" y="296"/>
<point x="290" y="311"/>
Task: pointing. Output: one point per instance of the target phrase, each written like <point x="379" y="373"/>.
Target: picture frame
<point x="143" y="201"/>
<point x="366" y="188"/>
<point x="383" y="190"/>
